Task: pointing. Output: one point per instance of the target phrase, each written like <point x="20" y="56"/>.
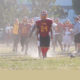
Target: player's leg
<point x="39" y="49"/>
<point x="54" y="42"/>
<point x="68" y="47"/>
<point x="45" y="43"/>
<point x="69" y="42"/>
<point x="16" y="42"/>
<point x="22" y="42"/>
<point x="60" y="42"/>
<point x="42" y="44"/>
<point x="26" y="45"/>
<point x="77" y="40"/>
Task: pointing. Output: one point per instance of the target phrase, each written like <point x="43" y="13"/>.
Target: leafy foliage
<point x="10" y="9"/>
<point x="76" y="6"/>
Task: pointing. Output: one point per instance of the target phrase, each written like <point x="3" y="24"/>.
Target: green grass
<point x="27" y="63"/>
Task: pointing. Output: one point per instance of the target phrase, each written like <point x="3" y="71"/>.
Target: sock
<point x="45" y="50"/>
<point x="42" y="49"/>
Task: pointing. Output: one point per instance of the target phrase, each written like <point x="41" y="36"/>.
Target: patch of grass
<point x="27" y="63"/>
<point x="40" y="64"/>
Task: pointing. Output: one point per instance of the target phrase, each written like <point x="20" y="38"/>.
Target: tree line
<point x="9" y="10"/>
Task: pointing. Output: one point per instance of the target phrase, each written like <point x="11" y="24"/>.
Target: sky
<point x="64" y="2"/>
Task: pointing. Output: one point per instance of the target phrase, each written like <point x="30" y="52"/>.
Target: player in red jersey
<point x="67" y="38"/>
<point x="58" y="33"/>
<point x="68" y="24"/>
<point x="44" y="28"/>
<point x="24" y="29"/>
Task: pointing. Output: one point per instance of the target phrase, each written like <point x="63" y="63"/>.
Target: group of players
<point x="46" y="31"/>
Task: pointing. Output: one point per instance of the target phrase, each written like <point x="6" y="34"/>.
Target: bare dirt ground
<point x="6" y="50"/>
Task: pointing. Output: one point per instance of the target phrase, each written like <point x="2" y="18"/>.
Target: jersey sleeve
<point x="54" y="25"/>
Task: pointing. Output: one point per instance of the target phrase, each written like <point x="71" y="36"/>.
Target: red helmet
<point x="44" y="13"/>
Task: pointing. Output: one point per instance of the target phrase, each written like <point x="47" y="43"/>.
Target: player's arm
<point x="51" y="32"/>
<point x="32" y="29"/>
<point x="37" y="32"/>
<point x="52" y="29"/>
<point x="75" y="28"/>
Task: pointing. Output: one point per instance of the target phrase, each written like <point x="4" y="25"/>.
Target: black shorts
<point x="45" y="41"/>
<point x="77" y="38"/>
<point x="24" y="40"/>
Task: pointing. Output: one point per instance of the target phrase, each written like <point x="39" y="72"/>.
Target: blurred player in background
<point x="24" y="29"/>
<point x="58" y="34"/>
<point x="15" y="35"/>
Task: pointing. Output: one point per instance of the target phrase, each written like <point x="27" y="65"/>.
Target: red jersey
<point x="59" y="28"/>
<point x="69" y="26"/>
<point x="24" y="29"/>
<point x="44" y="26"/>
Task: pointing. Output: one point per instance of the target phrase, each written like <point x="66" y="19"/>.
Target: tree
<point x="76" y="6"/>
<point x="39" y="5"/>
<point x="9" y="11"/>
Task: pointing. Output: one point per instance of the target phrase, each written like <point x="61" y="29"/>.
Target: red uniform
<point x="24" y="29"/>
<point x="69" y="26"/>
<point x="24" y="32"/>
<point x="59" y="28"/>
<point x="44" y="26"/>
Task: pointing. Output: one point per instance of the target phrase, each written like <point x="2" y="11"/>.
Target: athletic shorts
<point x="77" y="38"/>
<point x="45" y="41"/>
<point x="58" y="38"/>
<point x="24" y="40"/>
